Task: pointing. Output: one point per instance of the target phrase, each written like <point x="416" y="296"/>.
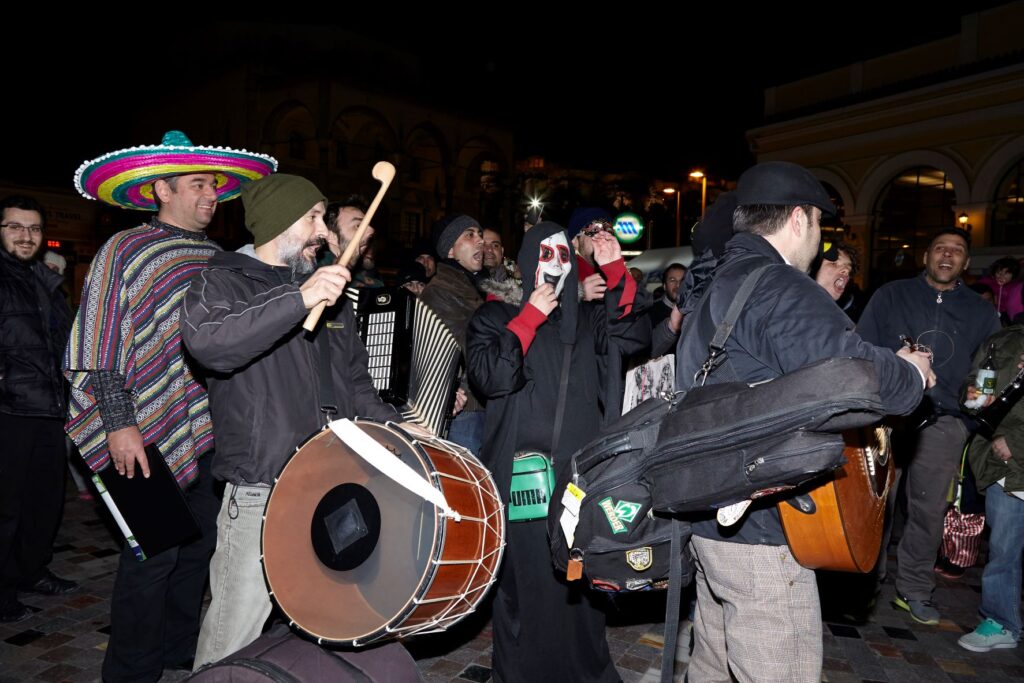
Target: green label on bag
<point x="617" y="513"/>
<point x="626" y="511"/>
<point x="613" y="519"/>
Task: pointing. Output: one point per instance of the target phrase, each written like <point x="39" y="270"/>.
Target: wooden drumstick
<point x="384" y="172"/>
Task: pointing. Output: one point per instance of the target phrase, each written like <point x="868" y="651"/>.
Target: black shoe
<point x="13" y="612"/>
<point x="51" y="584"/>
<point x="945" y="568"/>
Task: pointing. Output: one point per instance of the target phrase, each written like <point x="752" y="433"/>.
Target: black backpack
<point x="698" y="450"/>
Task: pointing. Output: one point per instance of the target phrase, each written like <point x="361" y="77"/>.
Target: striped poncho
<point x="128" y="323"/>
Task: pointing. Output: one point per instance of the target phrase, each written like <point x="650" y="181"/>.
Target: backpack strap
<point x="716" y="348"/>
<point x="675" y="594"/>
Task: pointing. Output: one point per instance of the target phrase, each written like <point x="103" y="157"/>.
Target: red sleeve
<point x="615" y="272"/>
<point x="525" y="325"/>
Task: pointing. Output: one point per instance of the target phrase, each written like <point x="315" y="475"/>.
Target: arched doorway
<point x="1008" y="208"/>
<point x="912" y="207"/>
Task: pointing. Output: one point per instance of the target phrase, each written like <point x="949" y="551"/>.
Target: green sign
<point x="629" y="228"/>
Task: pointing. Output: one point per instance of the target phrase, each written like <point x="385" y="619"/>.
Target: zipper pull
<point x="938" y="299"/>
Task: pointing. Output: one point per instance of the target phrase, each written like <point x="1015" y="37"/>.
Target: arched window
<point x="910" y="209"/>
<point x="1008" y="208"/>
<point x="296" y="145"/>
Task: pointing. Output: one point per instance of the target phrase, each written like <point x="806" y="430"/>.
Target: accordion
<point x="414" y="357"/>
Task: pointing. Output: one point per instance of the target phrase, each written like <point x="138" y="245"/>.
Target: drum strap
<point x="328" y="402"/>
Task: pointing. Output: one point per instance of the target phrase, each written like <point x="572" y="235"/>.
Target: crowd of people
<point x="200" y="352"/>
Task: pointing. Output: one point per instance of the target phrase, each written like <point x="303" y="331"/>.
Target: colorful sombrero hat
<point x="125" y="178"/>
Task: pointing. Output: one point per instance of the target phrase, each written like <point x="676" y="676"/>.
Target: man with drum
<point x="242" y="319"/>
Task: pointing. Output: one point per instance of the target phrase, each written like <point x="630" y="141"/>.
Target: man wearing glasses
<point x="584" y="223"/>
<point x="34" y="324"/>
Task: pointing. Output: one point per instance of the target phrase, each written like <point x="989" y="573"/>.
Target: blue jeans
<point x="467" y="430"/>
<point x="1000" y="583"/>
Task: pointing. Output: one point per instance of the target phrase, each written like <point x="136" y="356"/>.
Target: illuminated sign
<point x="53" y="244"/>
<point x="629" y="228"/>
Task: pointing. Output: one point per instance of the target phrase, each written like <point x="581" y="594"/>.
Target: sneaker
<point x="988" y="636"/>
<point x="51" y="584"/>
<point x="922" y="611"/>
<point x="13" y="612"/>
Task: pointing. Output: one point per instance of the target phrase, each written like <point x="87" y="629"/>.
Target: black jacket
<point x="242" y="320"/>
<point x="788" y="322"/>
<point x="953" y="325"/>
<point x="35" y="322"/>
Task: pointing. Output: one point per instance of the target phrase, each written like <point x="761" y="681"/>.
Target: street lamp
<point x="679" y="199"/>
<point x="699" y="175"/>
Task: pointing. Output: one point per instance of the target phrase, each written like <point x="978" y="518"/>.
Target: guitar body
<point x="844" y="533"/>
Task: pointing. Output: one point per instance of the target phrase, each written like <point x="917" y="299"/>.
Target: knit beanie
<point x="272" y="204"/>
<point x="451" y="232"/>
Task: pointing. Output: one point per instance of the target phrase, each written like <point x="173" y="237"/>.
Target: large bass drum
<point x="352" y="557"/>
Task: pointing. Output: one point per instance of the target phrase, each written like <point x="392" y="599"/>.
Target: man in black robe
<point x="543" y="629"/>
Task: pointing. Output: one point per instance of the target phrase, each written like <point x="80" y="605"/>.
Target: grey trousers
<point x="240" y="601"/>
<point x="757" y="616"/>
<point x="929" y="473"/>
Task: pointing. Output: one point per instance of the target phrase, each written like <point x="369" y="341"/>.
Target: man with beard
<point x="34" y="324"/>
<point x="131" y="384"/>
<point x="671" y="279"/>
<point x="453" y="295"/>
<point x="758" y="616"/>
<point x="242" y="320"/>
<point x="938" y="310"/>
<point x="527" y="347"/>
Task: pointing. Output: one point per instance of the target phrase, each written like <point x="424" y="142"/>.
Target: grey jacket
<point x="242" y="320"/>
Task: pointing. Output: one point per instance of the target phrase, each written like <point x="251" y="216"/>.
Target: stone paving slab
<point x="65" y="639"/>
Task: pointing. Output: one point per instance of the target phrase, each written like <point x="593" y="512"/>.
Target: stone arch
<point x="360" y="137"/>
<point x="986" y="182"/>
<point x="427" y="157"/>
<point x="840" y="183"/>
<point x="291" y="135"/>
<point x="883" y="173"/>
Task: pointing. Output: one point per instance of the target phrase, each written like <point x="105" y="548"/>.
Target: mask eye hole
<point x="546" y="253"/>
<point x="563" y="253"/>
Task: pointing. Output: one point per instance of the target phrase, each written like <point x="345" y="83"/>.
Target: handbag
<point x="533" y="473"/>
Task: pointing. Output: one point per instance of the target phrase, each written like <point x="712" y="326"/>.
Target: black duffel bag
<point x="729" y="442"/>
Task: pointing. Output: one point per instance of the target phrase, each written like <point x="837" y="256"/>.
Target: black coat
<point x="35" y="322"/>
<point x="241" y="319"/>
<point x="788" y="322"/>
<point x="544" y="629"/>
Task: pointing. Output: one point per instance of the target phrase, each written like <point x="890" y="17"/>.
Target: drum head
<point x="345" y="548"/>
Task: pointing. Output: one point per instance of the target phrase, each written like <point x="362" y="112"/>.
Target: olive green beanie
<point x="272" y="204"/>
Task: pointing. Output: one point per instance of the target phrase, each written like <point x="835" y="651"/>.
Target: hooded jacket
<point x="242" y="320"/>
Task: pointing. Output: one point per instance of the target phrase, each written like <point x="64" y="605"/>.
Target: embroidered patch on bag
<point x="626" y="511"/>
<point x="640" y="558"/>
<point x="613" y="519"/>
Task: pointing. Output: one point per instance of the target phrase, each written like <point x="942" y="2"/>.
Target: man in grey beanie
<point x="242" y="321"/>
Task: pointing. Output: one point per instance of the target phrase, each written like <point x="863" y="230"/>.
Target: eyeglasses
<point x="18" y="227"/>
<point x="596" y="227"/>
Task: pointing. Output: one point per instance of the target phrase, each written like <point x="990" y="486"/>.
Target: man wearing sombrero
<point x="131" y="385"/>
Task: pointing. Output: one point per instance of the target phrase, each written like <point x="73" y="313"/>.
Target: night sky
<point x="655" y="94"/>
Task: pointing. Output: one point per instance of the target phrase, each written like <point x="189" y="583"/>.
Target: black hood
<point x="529" y="255"/>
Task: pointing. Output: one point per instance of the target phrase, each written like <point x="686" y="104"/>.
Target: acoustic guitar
<point x="844" y="532"/>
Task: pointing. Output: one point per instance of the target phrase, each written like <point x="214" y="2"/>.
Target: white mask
<point x="554" y="264"/>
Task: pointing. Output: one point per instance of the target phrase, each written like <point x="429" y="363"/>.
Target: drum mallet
<point x="384" y="172"/>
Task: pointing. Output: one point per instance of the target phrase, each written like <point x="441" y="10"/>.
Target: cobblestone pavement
<point x="66" y="637"/>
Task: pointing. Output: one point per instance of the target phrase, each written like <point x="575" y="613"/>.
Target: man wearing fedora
<point x="131" y="384"/>
<point x="758" y="616"/>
